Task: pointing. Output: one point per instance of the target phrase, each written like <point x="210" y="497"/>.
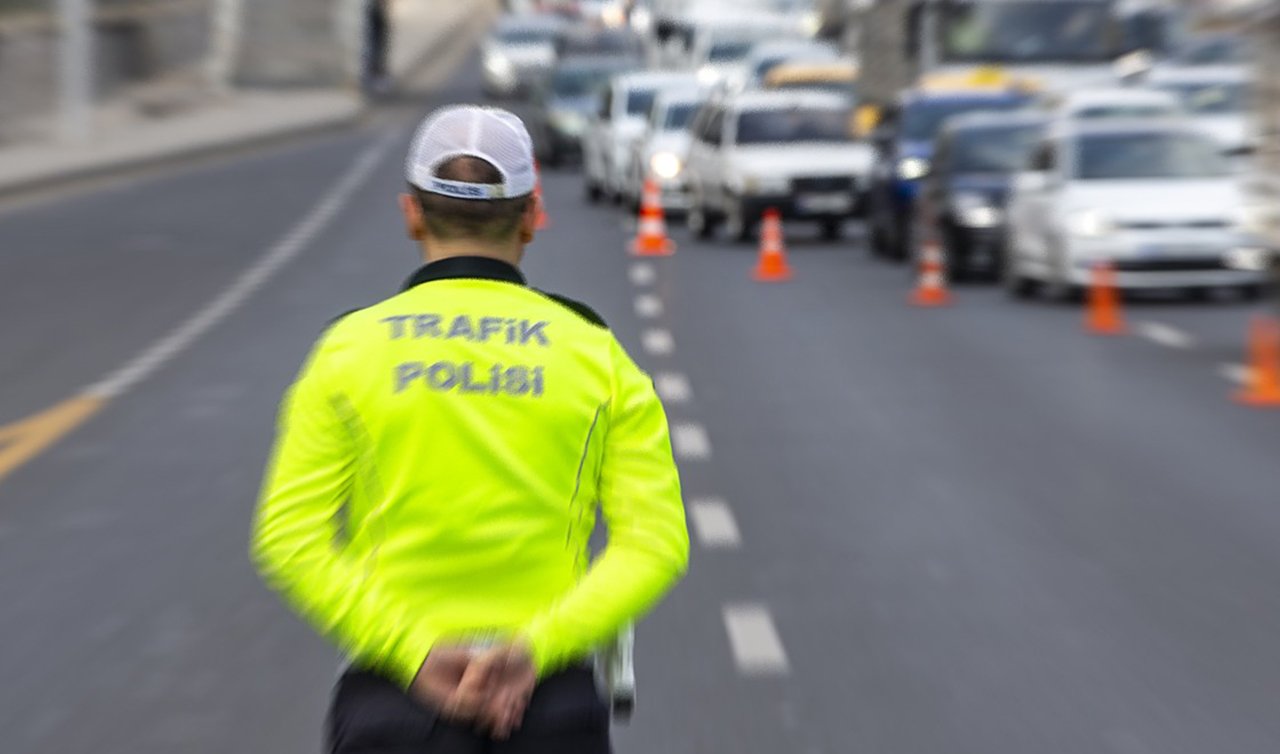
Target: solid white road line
<point x="658" y="342"/>
<point x="642" y="273"/>
<point x="648" y="306"/>
<point x="231" y="298"/>
<point x="1165" y="335"/>
<point x="714" y="523"/>
<point x="672" y="387"/>
<point x="757" y="650"/>
<point x="1237" y="373"/>
<point x="690" y="442"/>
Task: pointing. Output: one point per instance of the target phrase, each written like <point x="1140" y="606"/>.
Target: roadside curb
<point x="333" y="110"/>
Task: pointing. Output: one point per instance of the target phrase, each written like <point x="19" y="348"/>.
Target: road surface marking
<point x="714" y="523"/>
<point x="642" y="273"/>
<point x="689" y="441"/>
<point x="672" y="387"/>
<point x="757" y="650"/>
<point x="1165" y="335"/>
<point x="648" y="306"/>
<point x="1237" y="373"/>
<point x="25" y="439"/>
<point x="658" y="342"/>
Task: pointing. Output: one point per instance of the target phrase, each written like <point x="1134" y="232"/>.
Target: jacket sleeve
<point x="297" y="545"/>
<point x="648" y="544"/>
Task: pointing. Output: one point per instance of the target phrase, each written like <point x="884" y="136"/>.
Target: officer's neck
<point x="436" y="250"/>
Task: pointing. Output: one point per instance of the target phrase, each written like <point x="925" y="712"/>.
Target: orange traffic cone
<point x="543" y="221"/>
<point x="931" y="290"/>
<point x="1102" y="314"/>
<point x="1262" y="387"/>
<point x="772" y="265"/>
<point x="651" y="233"/>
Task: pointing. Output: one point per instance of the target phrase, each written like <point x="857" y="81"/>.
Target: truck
<point x="1050" y="44"/>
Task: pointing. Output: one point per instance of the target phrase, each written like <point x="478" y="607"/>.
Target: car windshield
<point x="1002" y="149"/>
<point x="797" y="124"/>
<point x="1211" y="98"/>
<point x="845" y="88"/>
<point x="601" y="43"/>
<point x="724" y="52"/>
<point x="526" y="36"/>
<point x="1147" y="155"/>
<point x="1027" y="31"/>
<point x="922" y="120"/>
<point x="1102" y="112"/>
<point x="678" y="116"/>
<point x="640" y="101"/>
<point x="580" y="82"/>
<point x="1215" y="51"/>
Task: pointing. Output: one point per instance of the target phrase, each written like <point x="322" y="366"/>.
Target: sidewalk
<point x="425" y="34"/>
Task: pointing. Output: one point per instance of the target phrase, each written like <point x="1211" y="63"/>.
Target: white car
<point x="519" y="51"/>
<point x="1112" y="103"/>
<point x="662" y="150"/>
<point x="1215" y="98"/>
<point x="618" y="121"/>
<point x="1157" y="200"/>
<point x="719" y="52"/>
<point x="794" y="151"/>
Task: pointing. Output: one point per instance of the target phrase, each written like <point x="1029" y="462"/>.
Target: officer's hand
<point x="511" y="678"/>
<point x="448" y="682"/>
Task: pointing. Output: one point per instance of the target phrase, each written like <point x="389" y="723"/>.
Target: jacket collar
<point x="453" y="268"/>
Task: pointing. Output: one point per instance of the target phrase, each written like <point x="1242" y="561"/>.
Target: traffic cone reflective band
<point x="1262" y="384"/>
<point x="1102" y="315"/>
<point x="651" y="233"/>
<point x="931" y="290"/>
<point x="543" y="221"/>
<point x="772" y="265"/>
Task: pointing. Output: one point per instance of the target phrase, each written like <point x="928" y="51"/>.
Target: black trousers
<point x="371" y="715"/>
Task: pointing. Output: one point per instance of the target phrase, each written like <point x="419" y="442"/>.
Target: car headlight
<point x="811" y="23"/>
<point x="665" y="165"/>
<point x="1251" y="218"/>
<point x="499" y="66"/>
<point x="1250" y="259"/>
<point x="708" y="76"/>
<point x="569" y="122"/>
<point x="912" y="168"/>
<point x="976" y="211"/>
<point x="1090" y="223"/>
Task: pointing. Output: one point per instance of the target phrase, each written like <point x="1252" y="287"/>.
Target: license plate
<point x="824" y="203"/>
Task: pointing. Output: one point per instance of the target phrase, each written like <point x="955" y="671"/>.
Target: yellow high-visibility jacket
<point x="438" y="466"/>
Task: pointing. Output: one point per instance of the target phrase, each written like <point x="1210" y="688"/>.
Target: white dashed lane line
<point x="648" y="306"/>
<point x="1237" y="373"/>
<point x="673" y="388"/>
<point x="1165" y="335"/>
<point x="642" y="273"/>
<point x="757" y="650"/>
<point x="690" y="442"/>
<point x="658" y="342"/>
<point x="714" y="524"/>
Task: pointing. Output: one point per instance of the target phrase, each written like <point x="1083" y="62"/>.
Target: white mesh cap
<point x="488" y="133"/>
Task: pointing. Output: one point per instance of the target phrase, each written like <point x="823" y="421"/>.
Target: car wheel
<point x="698" y="223"/>
<point x="832" y="230"/>
<point x="593" y="191"/>
<point x="736" y="223"/>
<point x="1018" y="285"/>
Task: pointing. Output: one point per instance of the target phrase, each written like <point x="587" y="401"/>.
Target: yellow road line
<point x="24" y="439"/>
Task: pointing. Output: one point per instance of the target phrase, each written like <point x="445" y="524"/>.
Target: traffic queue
<point x="972" y="135"/>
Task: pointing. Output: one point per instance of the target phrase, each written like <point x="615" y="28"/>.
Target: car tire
<point x="1015" y="283"/>
<point x="736" y="223"/>
<point x="593" y="192"/>
<point x="699" y="221"/>
<point x="832" y="230"/>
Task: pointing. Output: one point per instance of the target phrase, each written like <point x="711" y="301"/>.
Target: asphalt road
<point x="966" y="531"/>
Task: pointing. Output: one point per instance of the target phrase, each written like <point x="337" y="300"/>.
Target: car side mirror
<point x="1241" y="150"/>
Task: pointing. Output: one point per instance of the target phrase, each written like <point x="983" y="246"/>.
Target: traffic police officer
<point x="437" y="471"/>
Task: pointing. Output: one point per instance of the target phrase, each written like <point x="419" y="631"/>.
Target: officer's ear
<point x="529" y="219"/>
<point x="413" y="222"/>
